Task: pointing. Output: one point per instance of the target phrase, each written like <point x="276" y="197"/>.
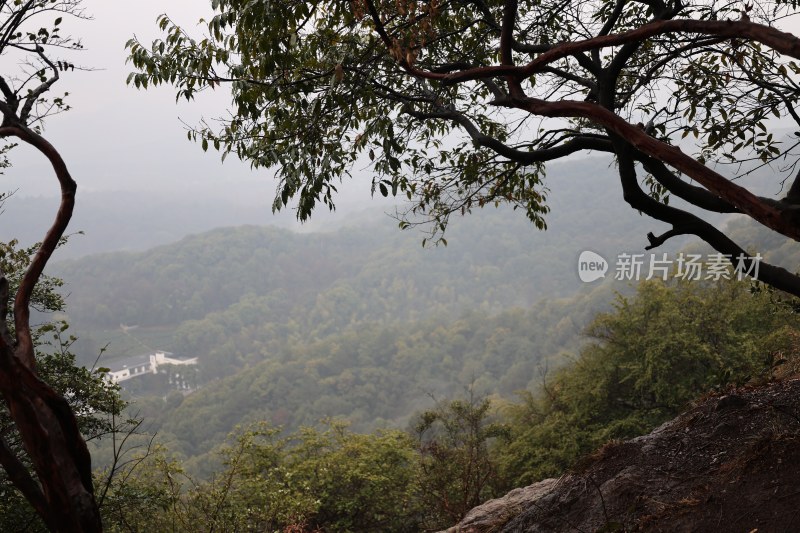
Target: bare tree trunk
<point x="61" y="491"/>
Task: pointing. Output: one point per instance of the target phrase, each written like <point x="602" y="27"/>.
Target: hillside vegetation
<point x="647" y="360"/>
<point x="362" y="322"/>
<point x="345" y="351"/>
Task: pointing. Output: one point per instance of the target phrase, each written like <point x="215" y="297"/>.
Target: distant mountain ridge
<point x="497" y="250"/>
<point x="361" y="321"/>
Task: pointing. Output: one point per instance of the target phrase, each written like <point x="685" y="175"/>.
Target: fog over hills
<point x="350" y="317"/>
<point x="292" y="327"/>
<point x="132" y="220"/>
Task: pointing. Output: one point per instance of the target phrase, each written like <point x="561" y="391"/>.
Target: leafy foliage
<point x="14" y="261"/>
<point x="327" y="479"/>
<point x="331" y="480"/>
<point x="649" y="358"/>
<point x="94" y="401"/>
<point x="458" y="105"/>
<point x="458" y="470"/>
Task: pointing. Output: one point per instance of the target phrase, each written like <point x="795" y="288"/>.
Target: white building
<point x="138" y="365"/>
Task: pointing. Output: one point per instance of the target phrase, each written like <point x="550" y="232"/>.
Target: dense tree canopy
<point x="460" y="103"/>
<point x="649" y="357"/>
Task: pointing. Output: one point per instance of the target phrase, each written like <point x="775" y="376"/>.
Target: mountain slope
<point x="494" y="257"/>
<point x="731" y="463"/>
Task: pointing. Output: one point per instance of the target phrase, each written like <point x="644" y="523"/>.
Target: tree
<point x="310" y="481"/>
<point x="95" y="402"/>
<point x="461" y="103"/>
<point x="457" y="469"/>
<point x="647" y="360"/>
<point x="60" y="485"/>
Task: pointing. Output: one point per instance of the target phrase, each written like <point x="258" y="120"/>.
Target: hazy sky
<point x="117" y="138"/>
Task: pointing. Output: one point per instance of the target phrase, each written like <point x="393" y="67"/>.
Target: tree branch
<point x="507" y="34"/>
<point x="24" y="349"/>
<point x="691" y="193"/>
<point x="33" y="96"/>
<point x="748" y="203"/>
<point x="655" y="242"/>
<point x="21" y="478"/>
<point x="785" y="43"/>
<point x="520" y="156"/>
<point x="613" y="18"/>
<point x="686" y="223"/>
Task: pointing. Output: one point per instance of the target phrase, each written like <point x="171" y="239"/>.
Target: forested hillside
<point x="365" y="325"/>
<point x="362" y="323"/>
<point x="377" y="375"/>
<point x="647" y="360"/>
<point x="319" y="283"/>
<point x="493" y="256"/>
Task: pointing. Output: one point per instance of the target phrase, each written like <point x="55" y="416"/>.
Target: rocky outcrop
<point x="729" y="464"/>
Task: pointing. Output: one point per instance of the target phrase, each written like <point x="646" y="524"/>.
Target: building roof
<point x="150" y="361"/>
<point x="129" y="362"/>
<point x="178" y="357"/>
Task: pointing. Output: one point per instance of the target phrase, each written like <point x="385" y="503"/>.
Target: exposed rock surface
<point x="729" y="464"/>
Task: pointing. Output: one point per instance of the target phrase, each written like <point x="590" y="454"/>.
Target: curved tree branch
<point x="739" y="197"/>
<point x="691" y="193"/>
<point x="68" y="186"/>
<point x="684" y="223"/>
<point x="785" y="43"/>
<point x="524" y="157"/>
